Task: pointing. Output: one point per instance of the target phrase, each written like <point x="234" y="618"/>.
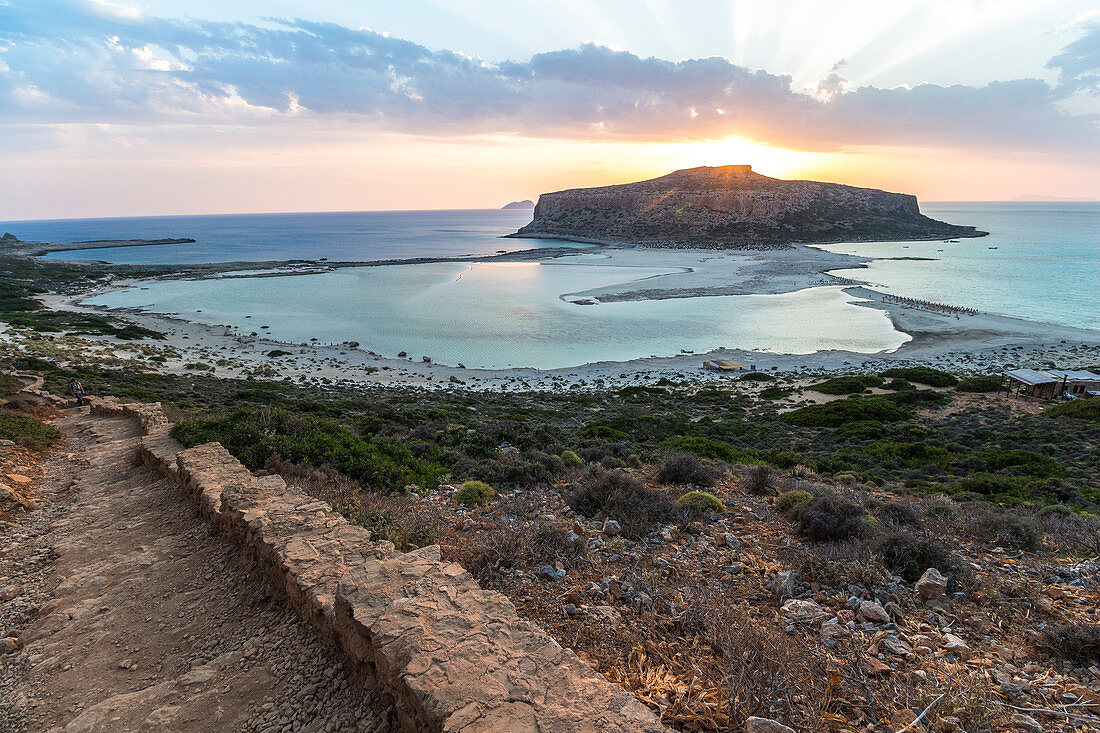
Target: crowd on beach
<point x="928" y="305"/>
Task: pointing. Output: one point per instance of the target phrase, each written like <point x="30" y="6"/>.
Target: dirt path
<point x="138" y="617"/>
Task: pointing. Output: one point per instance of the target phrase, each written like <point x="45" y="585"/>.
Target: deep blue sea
<point x="356" y="235"/>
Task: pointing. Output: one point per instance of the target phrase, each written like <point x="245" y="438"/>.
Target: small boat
<point x="993" y="248"/>
<point x="687" y="351"/>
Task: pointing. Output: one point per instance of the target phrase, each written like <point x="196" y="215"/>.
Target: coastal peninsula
<point x="732" y="207"/>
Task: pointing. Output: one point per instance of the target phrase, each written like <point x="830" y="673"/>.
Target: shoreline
<point x="974" y="344"/>
<point x="978" y="343"/>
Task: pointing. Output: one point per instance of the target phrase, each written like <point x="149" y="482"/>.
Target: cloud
<point x="70" y="61"/>
<point x="1079" y="63"/>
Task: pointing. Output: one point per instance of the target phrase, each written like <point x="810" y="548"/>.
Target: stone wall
<point x="452" y="656"/>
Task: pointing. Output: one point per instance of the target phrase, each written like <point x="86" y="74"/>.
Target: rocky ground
<point x="736" y="615"/>
<point x="122" y="610"/>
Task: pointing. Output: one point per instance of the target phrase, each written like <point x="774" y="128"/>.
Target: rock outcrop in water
<point x="525" y="204"/>
<point x="731" y="207"/>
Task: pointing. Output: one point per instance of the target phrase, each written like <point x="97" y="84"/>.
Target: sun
<point x="766" y="159"/>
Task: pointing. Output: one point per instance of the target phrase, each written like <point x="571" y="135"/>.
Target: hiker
<point x="76" y="389"/>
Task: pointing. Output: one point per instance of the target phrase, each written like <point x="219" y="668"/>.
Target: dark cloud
<point x="68" y="61"/>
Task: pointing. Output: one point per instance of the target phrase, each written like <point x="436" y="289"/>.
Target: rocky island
<point x="732" y="207"/>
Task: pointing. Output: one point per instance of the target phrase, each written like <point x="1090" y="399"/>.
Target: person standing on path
<point x="76" y="389"/>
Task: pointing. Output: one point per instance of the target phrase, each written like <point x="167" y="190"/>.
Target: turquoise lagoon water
<point x="1046" y="265"/>
<point x="1040" y="262"/>
<point x="496" y="315"/>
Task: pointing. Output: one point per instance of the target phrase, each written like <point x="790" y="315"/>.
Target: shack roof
<point x="1074" y="375"/>
<point x="1030" y="376"/>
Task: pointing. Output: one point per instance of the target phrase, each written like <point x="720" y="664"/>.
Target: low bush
<point x="758" y="480"/>
<point x="702" y="502"/>
<point x="830" y="518"/>
<point x="899" y="385"/>
<point x="789" y="502"/>
<point x="909" y="555"/>
<point x="475" y="493"/>
<point x="1026" y="462"/>
<point x="898" y="513"/>
<point x="625" y="499"/>
<point x="923" y="375"/>
<point x="27" y="430"/>
<point x="1079" y="409"/>
<point x="254" y="436"/>
<point x="847" y="385"/>
<point x="1079" y="643"/>
<point x="756" y="377"/>
<point x="986" y="383"/>
<point x="682" y="469"/>
<point x="852" y="409"/>
<point x="524" y="470"/>
<point x="276" y="353"/>
<point x="1007" y="530"/>
<point x="569" y="459"/>
<point x="923" y="397"/>
<point x="774" y="393"/>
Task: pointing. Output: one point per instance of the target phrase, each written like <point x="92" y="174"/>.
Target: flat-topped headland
<point x="732" y="207"/>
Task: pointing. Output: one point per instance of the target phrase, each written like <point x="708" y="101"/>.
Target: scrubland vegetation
<point x="663" y="531"/>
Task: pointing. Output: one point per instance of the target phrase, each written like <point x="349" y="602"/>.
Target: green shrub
<point x="708" y="448"/>
<point x="254" y="436"/>
<point x="756" y="377"/>
<point x="22" y="428"/>
<point x="571" y="459"/>
<point x="604" y="431"/>
<point x="923" y="375"/>
<point x="1081" y="409"/>
<point x="701" y="501"/>
<point x="847" y="385"/>
<point x="276" y="353"/>
<point x="871" y="524"/>
<point x="475" y="493"/>
<point x="789" y="502"/>
<point x="1055" y="510"/>
<point x="899" y="385"/>
<point x="1026" y="462"/>
<point x="919" y="397"/>
<point x="987" y="383"/>
<point x="852" y="409"/>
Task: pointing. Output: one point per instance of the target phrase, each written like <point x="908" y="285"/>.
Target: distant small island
<point x="525" y="204"/>
<point x="732" y="207"/>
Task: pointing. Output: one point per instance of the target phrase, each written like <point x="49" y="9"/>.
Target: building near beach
<point x="724" y="366"/>
<point x="1053" y="382"/>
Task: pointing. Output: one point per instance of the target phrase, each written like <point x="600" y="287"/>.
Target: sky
<point x="128" y="108"/>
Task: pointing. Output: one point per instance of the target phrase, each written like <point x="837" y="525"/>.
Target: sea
<point x="1041" y="262"/>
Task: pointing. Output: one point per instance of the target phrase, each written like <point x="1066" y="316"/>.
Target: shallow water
<point x="1046" y="265"/>
<point x="1040" y="262"/>
<point x="496" y="315"/>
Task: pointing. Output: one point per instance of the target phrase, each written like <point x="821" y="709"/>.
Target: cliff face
<point x="732" y="207"/>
